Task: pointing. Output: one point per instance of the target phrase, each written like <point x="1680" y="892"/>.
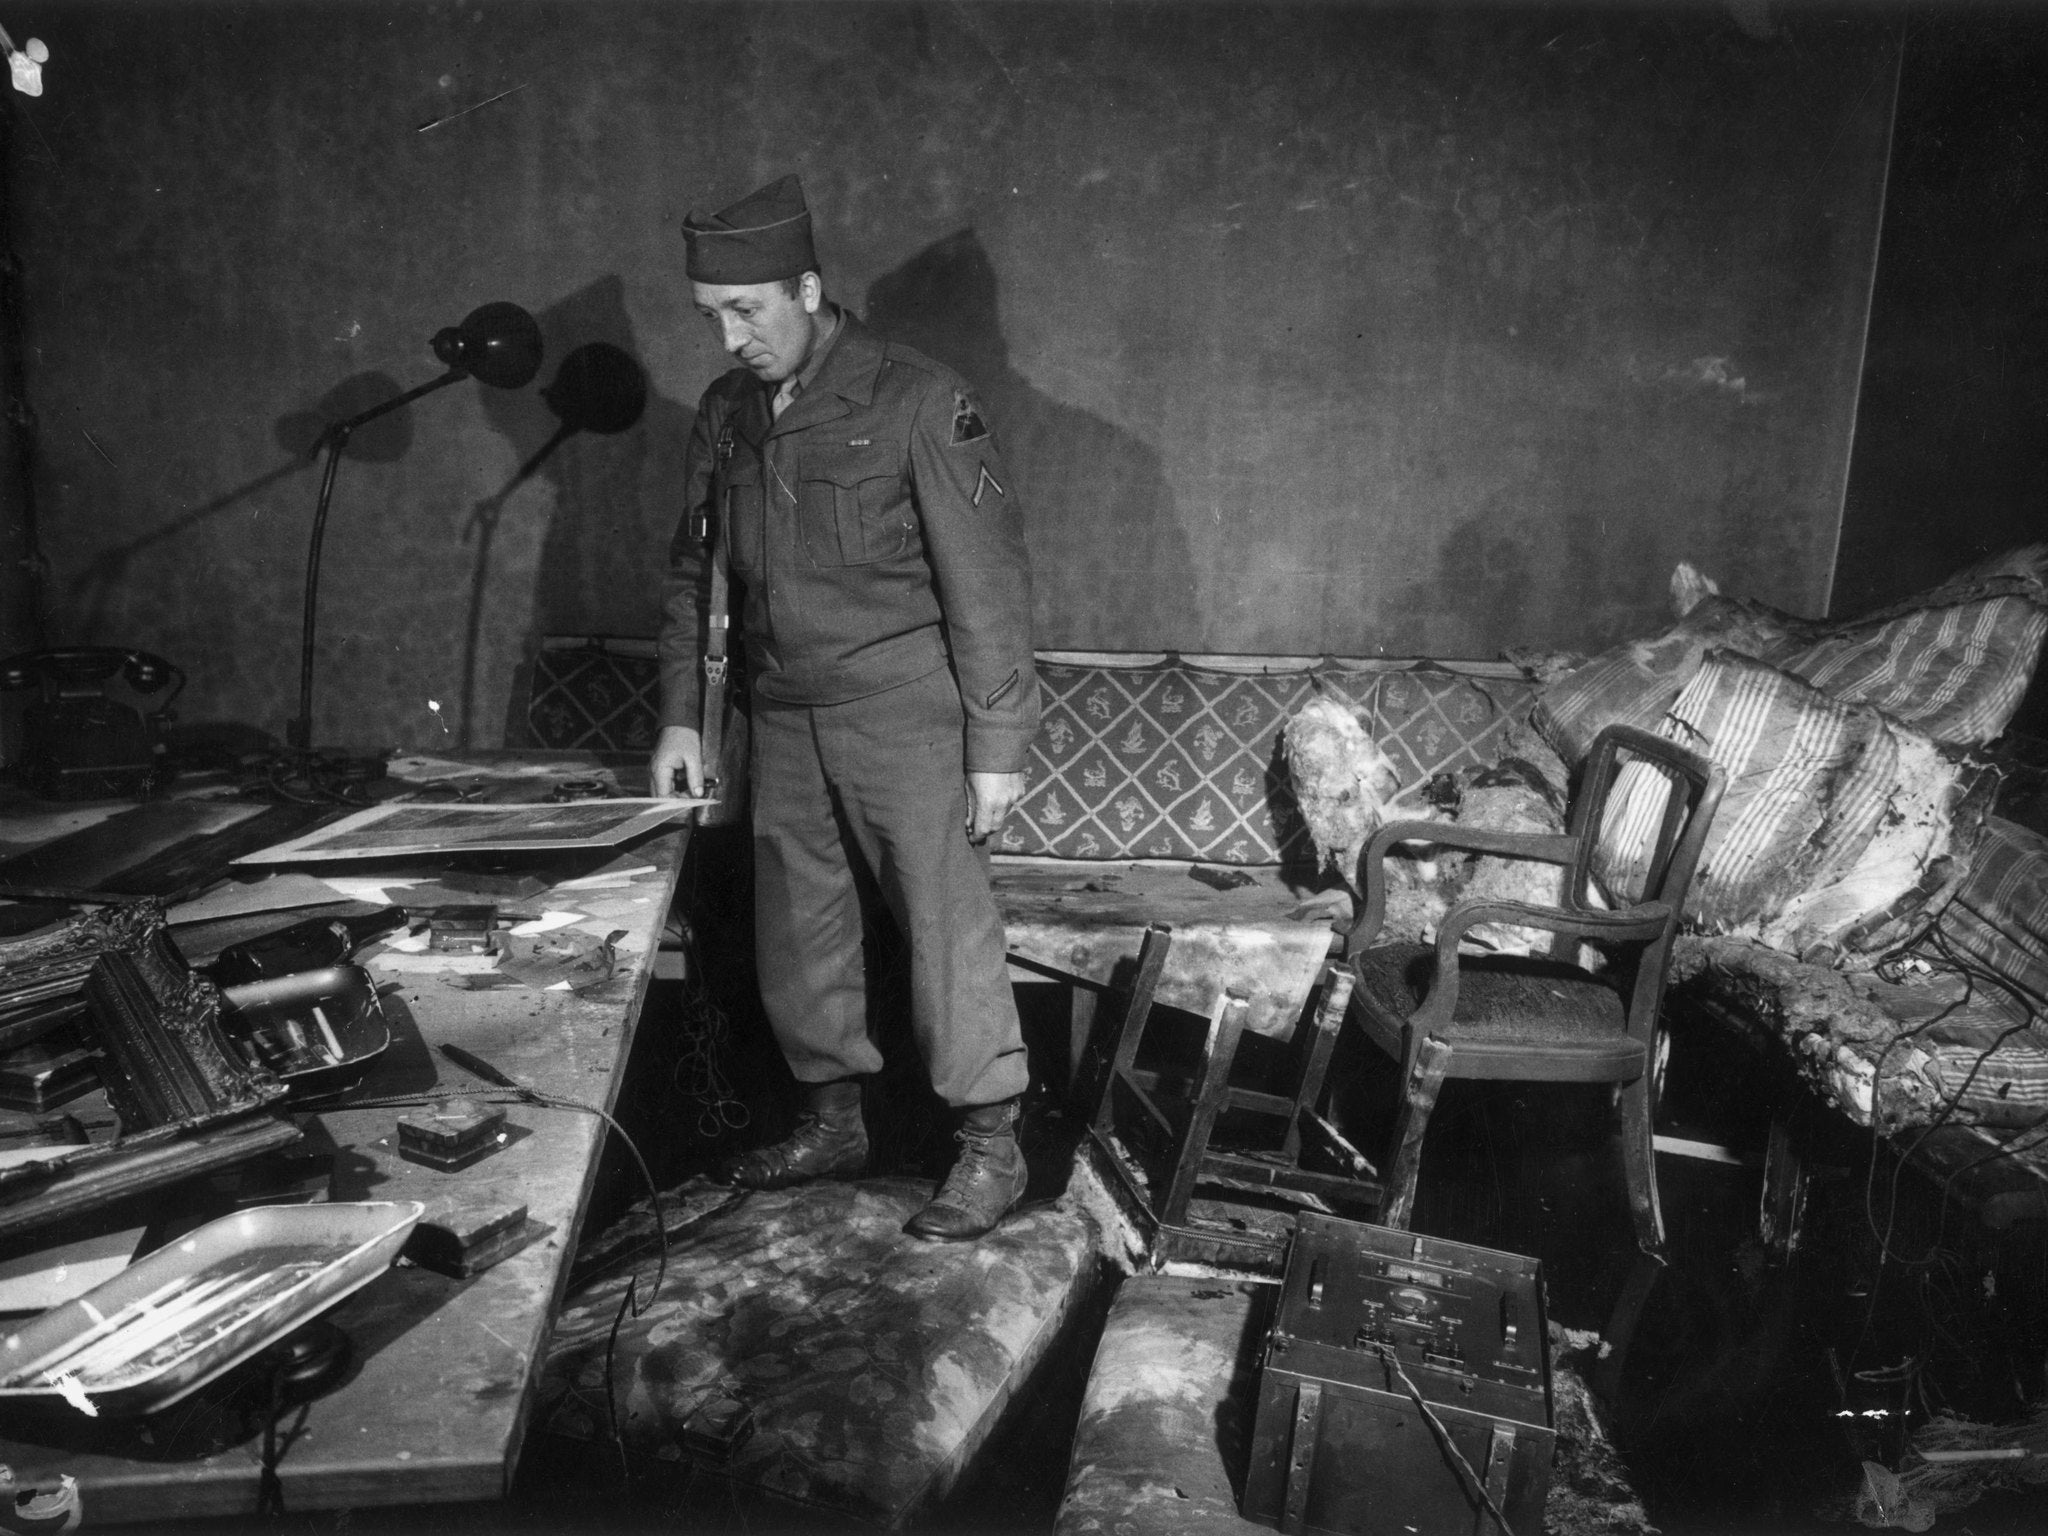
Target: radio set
<point x="94" y="729"/>
<point x="1405" y="1386"/>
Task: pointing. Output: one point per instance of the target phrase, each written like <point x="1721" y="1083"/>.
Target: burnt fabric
<point x="1166" y="1423"/>
<point x="873" y="1364"/>
<point x="1170" y="760"/>
<point x="878" y="779"/>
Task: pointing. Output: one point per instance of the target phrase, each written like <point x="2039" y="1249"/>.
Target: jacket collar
<point x="845" y="379"/>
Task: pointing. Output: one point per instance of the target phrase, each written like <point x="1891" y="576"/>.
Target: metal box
<point x="1371" y="1325"/>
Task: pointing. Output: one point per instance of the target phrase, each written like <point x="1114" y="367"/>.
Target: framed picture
<point x="391" y="831"/>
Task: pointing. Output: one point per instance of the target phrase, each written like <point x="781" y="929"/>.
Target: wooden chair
<point x="1444" y="1014"/>
<point x="1155" y="1158"/>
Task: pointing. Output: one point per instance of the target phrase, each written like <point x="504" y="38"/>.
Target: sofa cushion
<point x="1169" y="759"/>
<point x="873" y="1365"/>
<point x="1838" y="830"/>
<point x="1953" y="662"/>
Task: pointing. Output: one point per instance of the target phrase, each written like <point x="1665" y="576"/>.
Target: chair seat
<point x="1517" y="1017"/>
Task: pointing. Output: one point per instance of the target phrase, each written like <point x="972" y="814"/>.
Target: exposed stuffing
<point x="1342" y="781"/>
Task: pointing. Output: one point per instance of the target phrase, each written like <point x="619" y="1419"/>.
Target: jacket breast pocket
<point x="852" y="506"/>
<point x="741" y="490"/>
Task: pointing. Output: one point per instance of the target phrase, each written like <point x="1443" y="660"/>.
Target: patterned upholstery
<point x="600" y="695"/>
<point x="1176" y="760"/>
<point x="873" y="1364"/>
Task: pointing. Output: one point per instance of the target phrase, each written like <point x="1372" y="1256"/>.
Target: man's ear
<point x="811" y="290"/>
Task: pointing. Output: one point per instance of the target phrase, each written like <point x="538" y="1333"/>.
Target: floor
<point x="1729" y="1411"/>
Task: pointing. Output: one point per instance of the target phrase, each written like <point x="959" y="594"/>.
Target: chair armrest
<point x="1644" y="921"/>
<point x="1547" y="847"/>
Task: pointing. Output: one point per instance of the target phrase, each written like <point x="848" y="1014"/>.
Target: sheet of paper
<point x="363" y="888"/>
<point x="273" y="893"/>
<point x="609" y="877"/>
<point x="548" y="922"/>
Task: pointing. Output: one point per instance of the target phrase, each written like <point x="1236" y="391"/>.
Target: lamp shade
<point x="598" y="388"/>
<point x="498" y="344"/>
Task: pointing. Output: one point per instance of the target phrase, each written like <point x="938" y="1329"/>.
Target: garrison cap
<point x="762" y="238"/>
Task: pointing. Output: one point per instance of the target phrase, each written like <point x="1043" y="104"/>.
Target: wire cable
<point x="1443" y="1434"/>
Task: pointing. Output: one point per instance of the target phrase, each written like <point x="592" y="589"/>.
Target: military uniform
<point x="883" y="597"/>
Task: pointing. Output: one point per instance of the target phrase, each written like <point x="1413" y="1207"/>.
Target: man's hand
<point x="990" y="798"/>
<point x="677" y="767"/>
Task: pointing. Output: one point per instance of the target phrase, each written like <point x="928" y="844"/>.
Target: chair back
<point x="1644" y="808"/>
<point x="1641" y="817"/>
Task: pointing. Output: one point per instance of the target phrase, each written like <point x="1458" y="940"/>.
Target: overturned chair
<point x="1638" y="826"/>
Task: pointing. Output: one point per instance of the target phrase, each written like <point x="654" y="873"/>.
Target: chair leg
<point x="1639" y="1165"/>
<point x="1621" y="1325"/>
<point x="1130" y="1029"/>
<point x="1081" y="1003"/>
<point x="1226" y="1028"/>
<point x="1411" y="1123"/>
<point x="1336" y="1000"/>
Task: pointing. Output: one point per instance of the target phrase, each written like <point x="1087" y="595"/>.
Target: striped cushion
<point x="1634" y="684"/>
<point x="1953" y="663"/>
<point x="1956" y="672"/>
<point x="1837" y="826"/>
<point x="2000" y="913"/>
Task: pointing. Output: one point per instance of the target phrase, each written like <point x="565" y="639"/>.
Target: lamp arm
<point x="300" y="733"/>
<point x="342" y="429"/>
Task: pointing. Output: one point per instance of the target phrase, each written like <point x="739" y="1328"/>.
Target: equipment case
<point x="1339" y="1444"/>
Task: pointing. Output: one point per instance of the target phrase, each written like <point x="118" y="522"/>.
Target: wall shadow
<point x="1109" y="560"/>
<point x="301" y="435"/>
<point x="615" y="498"/>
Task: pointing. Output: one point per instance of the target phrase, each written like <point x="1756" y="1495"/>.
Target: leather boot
<point x="986" y="1181"/>
<point x="830" y="1142"/>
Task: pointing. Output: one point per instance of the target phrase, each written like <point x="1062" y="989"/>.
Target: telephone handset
<point x="84" y="736"/>
<point x="85" y="668"/>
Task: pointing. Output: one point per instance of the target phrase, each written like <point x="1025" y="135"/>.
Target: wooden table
<point x="438" y="1396"/>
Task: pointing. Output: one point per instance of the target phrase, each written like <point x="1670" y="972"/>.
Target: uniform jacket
<point x="872" y="534"/>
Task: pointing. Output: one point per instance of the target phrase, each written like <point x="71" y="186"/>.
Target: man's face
<point x="764" y="325"/>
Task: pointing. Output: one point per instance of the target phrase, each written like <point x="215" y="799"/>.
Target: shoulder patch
<point x="968" y="427"/>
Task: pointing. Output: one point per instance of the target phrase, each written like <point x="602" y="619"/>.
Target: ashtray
<point x="197" y="1307"/>
<point x="319" y="1031"/>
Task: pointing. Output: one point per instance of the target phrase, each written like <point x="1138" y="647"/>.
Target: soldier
<point x="876" y="549"/>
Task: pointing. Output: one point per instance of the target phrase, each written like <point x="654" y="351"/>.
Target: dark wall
<point x="1951" y="456"/>
<point x="1309" y="328"/>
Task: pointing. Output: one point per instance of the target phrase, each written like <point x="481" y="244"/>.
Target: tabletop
<point x="438" y="1393"/>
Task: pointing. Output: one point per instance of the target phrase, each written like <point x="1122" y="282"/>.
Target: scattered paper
<point x="547" y="922"/>
<point x="363" y="888"/>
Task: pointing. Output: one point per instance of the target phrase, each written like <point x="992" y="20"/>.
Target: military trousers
<point x="881" y="780"/>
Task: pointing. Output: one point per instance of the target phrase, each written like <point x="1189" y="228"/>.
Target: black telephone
<point x="92" y="731"/>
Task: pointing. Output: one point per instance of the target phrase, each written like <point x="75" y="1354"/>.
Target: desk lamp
<point x="499" y="345"/>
